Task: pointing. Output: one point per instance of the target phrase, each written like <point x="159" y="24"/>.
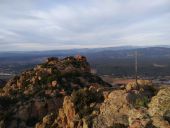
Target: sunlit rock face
<point x="159" y="108"/>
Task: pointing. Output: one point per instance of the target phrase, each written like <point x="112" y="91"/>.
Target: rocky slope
<point x="27" y="98"/>
<point x="120" y="108"/>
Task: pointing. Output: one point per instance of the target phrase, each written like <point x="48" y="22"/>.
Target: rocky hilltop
<point x="27" y="98"/>
<point x="63" y="93"/>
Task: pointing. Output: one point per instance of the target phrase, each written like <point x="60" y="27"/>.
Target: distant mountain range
<point x="74" y="51"/>
<point x="111" y="60"/>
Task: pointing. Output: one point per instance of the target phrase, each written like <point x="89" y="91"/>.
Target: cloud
<point x="55" y="24"/>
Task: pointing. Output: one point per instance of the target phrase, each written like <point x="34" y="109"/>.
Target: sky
<point x="27" y="25"/>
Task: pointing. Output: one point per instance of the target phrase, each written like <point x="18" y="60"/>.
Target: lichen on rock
<point x="159" y="108"/>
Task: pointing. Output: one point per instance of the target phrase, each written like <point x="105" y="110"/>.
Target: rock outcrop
<point x="77" y="113"/>
<point x="38" y="92"/>
<point x="113" y="111"/>
<point x="98" y="108"/>
<point x="122" y="108"/>
<point x="159" y="108"/>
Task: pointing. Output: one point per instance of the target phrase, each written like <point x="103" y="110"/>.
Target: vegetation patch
<point x="83" y="98"/>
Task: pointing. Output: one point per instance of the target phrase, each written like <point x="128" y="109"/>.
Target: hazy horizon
<point x="29" y="25"/>
<point x="90" y="48"/>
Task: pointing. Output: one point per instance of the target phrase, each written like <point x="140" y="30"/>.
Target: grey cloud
<point x="39" y="25"/>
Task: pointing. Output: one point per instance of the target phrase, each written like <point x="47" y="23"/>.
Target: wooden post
<point x="136" y="67"/>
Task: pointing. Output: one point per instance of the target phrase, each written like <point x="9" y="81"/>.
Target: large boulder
<point x="67" y="113"/>
<point x="139" y="118"/>
<point x="159" y="108"/>
<point x="114" y="110"/>
<point x="145" y="87"/>
<point x="123" y="108"/>
<point x="65" y="118"/>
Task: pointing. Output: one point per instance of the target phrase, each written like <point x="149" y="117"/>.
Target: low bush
<point x="6" y="102"/>
<point x="141" y="102"/>
<point x="83" y="98"/>
<point x="32" y="121"/>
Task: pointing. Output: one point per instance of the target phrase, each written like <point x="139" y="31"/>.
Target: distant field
<point x="125" y="66"/>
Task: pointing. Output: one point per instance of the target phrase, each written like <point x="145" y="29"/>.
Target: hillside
<point x="26" y="98"/>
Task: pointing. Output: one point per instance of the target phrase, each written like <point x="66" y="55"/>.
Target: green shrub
<point x="6" y="102"/>
<point x="83" y="98"/>
<point x="50" y="79"/>
<point x="26" y="83"/>
<point x="76" y="64"/>
<point x="32" y="121"/>
<point x="7" y="117"/>
<point x="166" y="116"/>
<point x="43" y="80"/>
<point x="141" y="101"/>
<point x="71" y="75"/>
<point x="56" y="72"/>
<point x="46" y="65"/>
